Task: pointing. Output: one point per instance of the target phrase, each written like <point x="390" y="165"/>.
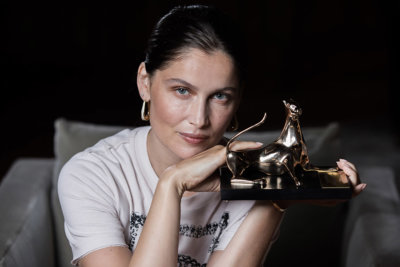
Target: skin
<point x="195" y="95"/>
<point x="193" y="101"/>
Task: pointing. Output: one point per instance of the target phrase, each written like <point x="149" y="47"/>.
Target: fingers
<point x="197" y="172"/>
<point x="194" y="170"/>
<point x="217" y="153"/>
<point x="348" y="164"/>
<point x="358" y="189"/>
<point x="210" y="159"/>
<point x="211" y="184"/>
<point x="351" y="171"/>
<point x="242" y="145"/>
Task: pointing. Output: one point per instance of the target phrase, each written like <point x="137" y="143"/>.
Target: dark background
<point x="338" y="59"/>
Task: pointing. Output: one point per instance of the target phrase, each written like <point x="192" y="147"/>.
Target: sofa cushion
<point x="26" y="232"/>
<point x="380" y="247"/>
<point x="70" y="138"/>
<point x="379" y="197"/>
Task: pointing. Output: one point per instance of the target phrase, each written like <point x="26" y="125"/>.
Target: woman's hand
<point x="160" y="234"/>
<point x="198" y="173"/>
<point x="350" y="170"/>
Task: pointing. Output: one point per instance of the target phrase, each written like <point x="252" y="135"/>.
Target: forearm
<point x="253" y="238"/>
<point x="158" y="242"/>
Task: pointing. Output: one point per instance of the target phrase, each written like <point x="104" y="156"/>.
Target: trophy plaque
<point x="281" y="169"/>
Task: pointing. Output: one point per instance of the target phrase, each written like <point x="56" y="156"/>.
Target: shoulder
<point x="110" y="147"/>
<point x="115" y="142"/>
<point x="98" y="165"/>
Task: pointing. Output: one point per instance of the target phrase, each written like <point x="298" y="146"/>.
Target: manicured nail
<point x="364" y="186"/>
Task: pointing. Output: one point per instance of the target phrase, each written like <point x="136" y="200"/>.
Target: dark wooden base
<point x="315" y="185"/>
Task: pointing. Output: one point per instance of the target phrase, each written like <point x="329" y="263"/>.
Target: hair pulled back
<point x="194" y="26"/>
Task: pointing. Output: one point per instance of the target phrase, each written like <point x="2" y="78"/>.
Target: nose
<point x="198" y="114"/>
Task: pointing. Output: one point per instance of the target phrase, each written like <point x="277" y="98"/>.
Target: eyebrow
<point x="187" y="84"/>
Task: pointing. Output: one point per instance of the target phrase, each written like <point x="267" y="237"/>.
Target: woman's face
<point x="192" y="101"/>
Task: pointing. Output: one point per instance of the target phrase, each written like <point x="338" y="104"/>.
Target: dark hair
<point x="194" y="26"/>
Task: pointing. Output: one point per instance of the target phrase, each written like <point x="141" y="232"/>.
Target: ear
<point x="143" y="82"/>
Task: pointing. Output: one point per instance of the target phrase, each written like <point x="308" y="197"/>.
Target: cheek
<point x="165" y="110"/>
<point x="222" y="118"/>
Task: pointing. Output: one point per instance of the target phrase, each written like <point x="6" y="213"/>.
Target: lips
<point x="193" y="138"/>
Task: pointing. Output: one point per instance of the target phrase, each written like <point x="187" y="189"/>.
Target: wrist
<point x="170" y="183"/>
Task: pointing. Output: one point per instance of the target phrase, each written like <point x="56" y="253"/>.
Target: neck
<point x="161" y="159"/>
<point x="160" y="156"/>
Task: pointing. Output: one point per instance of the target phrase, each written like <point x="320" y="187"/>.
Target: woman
<point x="133" y="199"/>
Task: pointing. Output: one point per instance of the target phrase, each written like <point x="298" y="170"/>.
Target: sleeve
<point x="88" y="204"/>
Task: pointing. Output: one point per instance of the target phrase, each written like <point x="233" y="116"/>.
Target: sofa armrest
<point x="372" y="234"/>
<point x="26" y="234"/>
<point x="375" y="241"/>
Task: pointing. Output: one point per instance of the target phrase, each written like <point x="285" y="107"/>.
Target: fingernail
<point x="259" y="143"/>
<point x="364" y="186"/>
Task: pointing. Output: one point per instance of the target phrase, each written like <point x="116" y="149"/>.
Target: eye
<point x="221" y="96"/>
<point x="182" y="91"/>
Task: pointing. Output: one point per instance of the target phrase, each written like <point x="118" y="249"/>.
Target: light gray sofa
<point x="362" y="232"/>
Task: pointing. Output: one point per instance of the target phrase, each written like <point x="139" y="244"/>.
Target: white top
<point x="106" y="192"/>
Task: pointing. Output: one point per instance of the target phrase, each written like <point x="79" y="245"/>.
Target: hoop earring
<point x="145" y="113"/>
<point x="234" y="124"/>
